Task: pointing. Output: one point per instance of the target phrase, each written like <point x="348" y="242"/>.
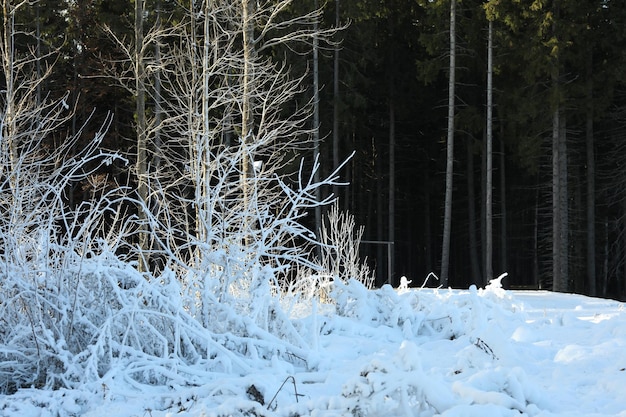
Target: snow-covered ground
<point x="406" y="352"/>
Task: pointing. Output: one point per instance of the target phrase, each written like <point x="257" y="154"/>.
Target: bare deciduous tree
<point x="40" y="234"/>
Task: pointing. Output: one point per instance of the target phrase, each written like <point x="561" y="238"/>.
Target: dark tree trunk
<point x="447" y="219"/>
<point x="471" y="197"/>
<point x="489" y="162"/>
<point x="591" y="183"/>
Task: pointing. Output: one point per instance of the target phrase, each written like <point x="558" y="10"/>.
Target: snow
<point x="360" y="352"/>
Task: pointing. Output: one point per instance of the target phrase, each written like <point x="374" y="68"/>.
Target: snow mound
<point x="383" y="352"/>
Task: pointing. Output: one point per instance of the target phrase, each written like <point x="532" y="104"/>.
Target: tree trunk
<point x="489" y="161"/>
<point x="564" y="202"/>
<point x="471" y="199"/>
<point x="503" y="213"/>
<point x="205" y="134"/>
<point x="142" y="141"/>
<point x="578" y="281"/>
<point x="557" y="279"/>
<point x="536" y="274"/>
<point x="428" y="249"/>
<point x="392" y="184"/>
<point x="605" y="269"/>
<point x="380" y="218"/>
<point x="621" y="275"/>
<point x="591" y="184"/>
<point x="560" y="242"/>
<point x="316" y="123"/>
<point x="247" y="116"/>
<point x="447" y="219"/>
<point x="9" y="123"/>
<point x="483" y="203"/>
<point x="38" y="40"/>
<point x="391" y="209"/>
<point x="158" y="105"/>
<point x="195" y="139"/>
<point x="201" y="128"/>
<point x="336" y="100"/>
<point x="560" y="219"/>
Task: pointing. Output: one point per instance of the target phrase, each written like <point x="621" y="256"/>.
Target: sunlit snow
<point x="390" y="352"/>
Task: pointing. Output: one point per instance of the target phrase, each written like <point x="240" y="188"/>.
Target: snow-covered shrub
<point x="74" y="312"/>
<point x="98" y="316"/>
<point x="253" y="254"/>
<point x="353" y="299"/>
<point x="44" y="243"/>
<point x="337" y="260"/>
<point x="339" y="248"/>
<point x="399" y="386"/>
<point x="50" y="307"/>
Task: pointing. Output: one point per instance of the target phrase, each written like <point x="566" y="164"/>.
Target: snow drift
<point x="135" y="349"/>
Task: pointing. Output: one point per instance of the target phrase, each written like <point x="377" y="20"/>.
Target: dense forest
<point x="538" y="176"/>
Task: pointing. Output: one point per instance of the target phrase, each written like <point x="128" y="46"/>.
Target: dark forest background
<point x="383" y="93"/>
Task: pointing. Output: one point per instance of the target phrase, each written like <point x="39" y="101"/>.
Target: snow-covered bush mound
<point x="98" y="317"/>
<point x="139" y="347"/>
